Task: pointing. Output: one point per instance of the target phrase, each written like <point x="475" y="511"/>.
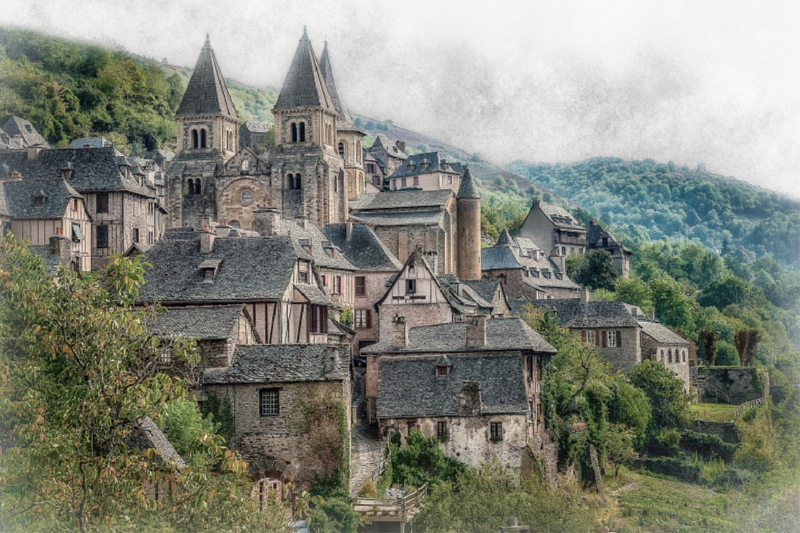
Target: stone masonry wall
<point x="625" y="356"/>
<point x="740" y="384"/>
<point x="416" y="315"/>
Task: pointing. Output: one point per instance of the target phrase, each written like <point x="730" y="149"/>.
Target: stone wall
<point x="741" y="384"/>
<point x="655" y="351"/>
<point x="416" y="315"/>
<point x="375" y="284"/>
<point x="309" y="433"/>
<point x="625" y="356"/>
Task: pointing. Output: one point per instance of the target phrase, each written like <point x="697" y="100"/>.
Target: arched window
<point x="197" y="188"/>
<point x="294" y="132"/>
<point x="358" y="151"/>
<point x="661" y="356"/>
<point x="341" y="150"/>
<point x="669" y="357"/>
<point x="245" y="164"/>
<point x="191" y="185"/>
<point x="684" y="355"/>
<point x="298" y="182"/>
<point x="203" y="140"/>
<point x="302" y="132"/>
<point x="195" y="141"/>
<point x="230" y="140"/>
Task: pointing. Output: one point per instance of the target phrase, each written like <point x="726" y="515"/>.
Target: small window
<point x="324" y="279"/>
<point x="684" y="355"/>
<point x="496" y="431"/>
<point x="245" y="164"/>
<point x="361" y="286"/>
<point x="136" y="235"/>
<point x="74" y="204"/>
<point x="303" y="276"/>
<point x="590" y="337"/>
<point x="403" y="183"/>
<point x="411" y="286"/>
<point x="197" y="188"/>
<point x="247" y="197"/>
<point x="195" y="141"/>
<point x="38" y="201"/>
<point x="149" y="237"/>
<point x="337" y="285"/>
<point x="362" y="318"/>
<point x="394" y="184"/>
<point x="102" y="236"/>
<point x="164" y="355"/>
<point x="302" y="132"/>
<point x="442" y="370"/>
<point x="269" y="402"/>
<point x="102" y="202"/>
<point x="416" y="181"/>
<point x="612" y="339"/>
<point x="203" y="139"/>
<point x="341" y="150"/>
<point x="318" y="319"/>
<point x="441" y="430"/>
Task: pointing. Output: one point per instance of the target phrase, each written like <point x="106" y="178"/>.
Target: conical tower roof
<point x="207" y="93"/>
<point x="304" y="85"/>
<point x="504" y="239"/>
<point x="468" y="189"/>
<point x="330" y="84"/>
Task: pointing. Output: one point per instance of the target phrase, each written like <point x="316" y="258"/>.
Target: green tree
<point x="629" y="406"/>
<point x="634" y="291"/>
<point x="670" y="404"/>
<point x="183" y="424"/>
<point x="598" y="271"/>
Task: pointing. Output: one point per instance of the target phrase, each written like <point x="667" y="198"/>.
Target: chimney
<point x="223" y="230"/>
<point x="535" y="203"/>
<point x="66" y="170"/>
<point x="205" y="222"/>
<point x="433" y="261"/>
<point x="399" y="332"/>
<point x="14" y="176"/>
<point x="558" y="259"/>
<point x="586" y="295"/>
<point x="33" y="151"/>
<point x="302" y="221"/>
<point x="349" y="230"/>
<point x="476" y="332"/>
<point x="207" y="241"/>
<point x="653" y="315"/>
<point x="401" y="145"/>
<point x="330" y="361"/>
<point x="267" y="221"/>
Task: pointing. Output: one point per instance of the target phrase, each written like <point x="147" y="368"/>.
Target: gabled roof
<point x="502" y="334"/>
<point x="426" y="163"/>
<point x="16" y="126"/>
<point x="283" y="363"/>
<point x="20" y="198"/>
<point x="330" y="83"/>
<point x="661" y="334"/>
<point x="523" y="253"/>
<point x="318" y="242"/>
<point x="388" y="146"/>
<point x="206" y="93"/>
<point x="364" y="249"/>
<point x="573" y="313"/>
<point x="146" y="435"/>
<point x="7" y="142"/>
<point x="93" y="169"/>
<point x="596" y="233"/>
<point x="251" y="269"/>
<point x="257" y="127"/>
<point x="201" y="322"/>
<point x="558" y="215"/>
<point x="468" y="189"/>
<point x="504" y="239"/>
<point x="402" y="200"/>
<point x="90" y="142"/>
<point x="304" y="85"/>
<point x="410" y="387"/>
<point x="486" y="288"/>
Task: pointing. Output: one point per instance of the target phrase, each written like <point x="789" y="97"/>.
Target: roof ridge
<point x="207" y="93"/>
<point x="305" y="84"/>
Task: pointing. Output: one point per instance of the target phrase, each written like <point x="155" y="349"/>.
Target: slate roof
<point x="344" y="124"/>
<point x="364" y="249"/>
<point x="93" y="169"/>
<point x="468" y="189"/>
<point x="661" y="334"/>
<point x="502" y="334"/>
<point x="16" y="126"/>
<point x="146" y="434"/>
<point x="90" y="142"/>
<point x="597" y="314"/>
<point x="595" y="234"/>
<point x="304" y="85"/>
<point x="518" y="253"/>
<point x="428" y="218"/>
<point x="390" y="147"/>
<point x="485" y="288"/>
<point x="311" y="233"/>
<point x="51" y="261"/>
<point x="256" y="268"/>
<point x="7" y="142"/>
<point x="4" y="212"/>
<point x="402" y="199"/>
<point x="201" y="322"/>
<point x="206" y="93"/>
<point x="283" y="363"/>
<point x="409" y="386"/>
<point x="434" y="161"/>
<point x="20" y="197"/>
<point x="556" y="213"/>
<point x="257" y="127"/>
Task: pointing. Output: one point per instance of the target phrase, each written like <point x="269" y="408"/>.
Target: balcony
<point x="571" y="240"/>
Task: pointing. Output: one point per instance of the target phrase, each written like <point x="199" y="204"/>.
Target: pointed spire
<point x="504" y="239"/>
<point x="304" y="85"/>
<point x="468" y="189"/>
<point x="330" y="84"/>
<point x="206" y="93"/>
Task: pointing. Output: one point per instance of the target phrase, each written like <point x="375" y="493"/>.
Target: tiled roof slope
<point x="257" y="268"/>
<point x="389" y="147"/>
<point x="429" y="218"/>
<point x="311" y="233"/>
<point x="202" y="322"/>
<point x="661" y="333"/>
<point x="206" y="93"/>
<point x="409" y="386"/>
<point x="518" y="253"/>
<point x="283" y="363"/>
<point x="146" y="434"/>
<point x="20" y="197"/>
<point x="7" y="142"/>
<point x="16" y="126"/>
<point x="4" y="212"/>
<point x="257" y="127"/>
<point x="486" y="288"/>
<point x="304" y="85"/>
<point x="93" y="169"/>
<point x="434" y="161"/>
<point x="402" y="199"/>
<point x="597" y="314"/>
<point x="468" y="189"/>
<point x="502" y="334"/>
<point x="330" y="83"/>
<point x="364" y="249"/>
<point x="556" y="212"/>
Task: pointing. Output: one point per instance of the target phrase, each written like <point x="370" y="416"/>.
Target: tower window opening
<point x="191" y="186"/>
<point x="197" y="188"/>
<point x="203" y="139"/>
<point x="302" y="132"/>
<point x="341" y="150"/>
<point x="358" y="151"/>
<point x="195" y="141"/>
<point x="294" y="132"/>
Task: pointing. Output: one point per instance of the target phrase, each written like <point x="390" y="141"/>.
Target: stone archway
<point x="238" y="199"/>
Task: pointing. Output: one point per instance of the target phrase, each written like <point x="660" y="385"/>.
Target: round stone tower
<point x="468" y="225"/>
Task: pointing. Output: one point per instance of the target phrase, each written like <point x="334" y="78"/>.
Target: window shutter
<point x="597" y="337"/>
<point x="312" y="317"/>
<point x="324" y="322"/>
<point x="605" y="340"/>
<point x="368" y="318"/>
<point x="619" y="339"/>
<point x="583" y="335"/>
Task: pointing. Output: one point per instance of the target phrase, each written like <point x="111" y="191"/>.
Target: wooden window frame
<point x="441" y="430"/>
<point x="361" y="285"/>
<point x="362" y="318"/>
<point x="102" y="202"/>
<point x="102" y="237"/>
<point x="411" y="286"/>
<point x="495" y="431"/>
<point x="270" y="408"/>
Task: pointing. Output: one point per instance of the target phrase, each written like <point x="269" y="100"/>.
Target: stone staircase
<point x="366" y="450"/>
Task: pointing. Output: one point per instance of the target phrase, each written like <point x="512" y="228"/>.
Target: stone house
<point x="659" y="343"/>
<point x="376" y="267"/>
<point x="291" y="406"/>
<point x="52" y="216"/>
<point x="474" y="385"/>
<point x="600" y="239"/>
<point x="119" y="199"/>
<point x="373" y="175"/>
<point x="279" y="286"/>
<point x="19" y="134"/>
<point x="525" y="270"/>
<point x="429" y="172"/>
<point x="554" y="228"/>
<point x="389" y="154"/>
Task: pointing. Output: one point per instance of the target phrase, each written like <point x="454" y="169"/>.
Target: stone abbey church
<point x="314" y="169"/>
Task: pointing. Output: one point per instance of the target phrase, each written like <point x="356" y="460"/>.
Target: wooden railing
<point x="752" y="403"/>
<point x="571" y="240"/>
<point x="378" y="470"/>
<point x="410" y="501"/>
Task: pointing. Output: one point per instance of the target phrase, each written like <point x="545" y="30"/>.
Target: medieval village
<point x="338" y="312"/>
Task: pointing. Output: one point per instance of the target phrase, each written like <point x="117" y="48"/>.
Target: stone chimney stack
<point x="399" y="332"/>
<point x="207" y="241"/>
<point x="33" y="151"/>
<point x="267" y="221"/>
<point x="476" y="332"/>
<point x="653" y="315"/>
<point x="349" y="230"/>
<point x="586" y="295"/>
<point x="558" y="259"/>
<point x="62" y="247"/>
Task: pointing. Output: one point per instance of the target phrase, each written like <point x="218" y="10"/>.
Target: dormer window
<point x="534" y="272"/>
<point x="424" y="165"/>
<point x="302" y="275"/>
<point x="209" y="269"/>
<point x="559" y="275"/>
<point x="442" y="371"/>
<point x="39" y="200"/>
<point x="306" y="245"/>
<point x="409" y="167"/>
<point x="328" y="247"/>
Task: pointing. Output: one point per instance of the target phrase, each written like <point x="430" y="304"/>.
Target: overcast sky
<point x="547" y="81"/>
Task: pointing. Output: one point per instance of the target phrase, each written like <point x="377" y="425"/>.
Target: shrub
<point x="334" y="515"/>
<point x="369" y="490"/>
<point x="708" y="445"/>
<point x="726" y="354"/>
<point x="677" y="467"/>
